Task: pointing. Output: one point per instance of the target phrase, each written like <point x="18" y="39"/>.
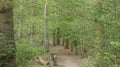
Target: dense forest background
<point x="86" y="27"/>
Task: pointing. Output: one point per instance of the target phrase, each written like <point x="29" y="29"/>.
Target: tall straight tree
<point x="46" y="40"/>
<point x="7" y="44"/>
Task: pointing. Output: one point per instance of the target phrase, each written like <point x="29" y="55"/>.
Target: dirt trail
<point x="66" y="58"/>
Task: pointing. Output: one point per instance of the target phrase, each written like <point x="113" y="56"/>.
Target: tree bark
<point x="54" y="38"/>
<point x="7" y="43"/>
<point x="75" y="44"/>
<point x="58" y="36"/>
<point x="71" y="46"/>
<point x="46" y="40"/>
<point x="66" y="43"/>
<point x="18" y="29"/>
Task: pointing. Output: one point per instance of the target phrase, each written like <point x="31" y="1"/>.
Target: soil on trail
<point x="66" y="58"/>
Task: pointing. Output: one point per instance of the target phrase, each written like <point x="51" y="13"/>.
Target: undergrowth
<point x="25" y="52"/>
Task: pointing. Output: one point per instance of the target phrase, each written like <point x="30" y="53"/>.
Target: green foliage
<point x="91" y="26"/>
<point x="107" y="15"/>
<point x="6" y="56"/>
<point x="26" y="52"/>
<point x="6" y="51"/>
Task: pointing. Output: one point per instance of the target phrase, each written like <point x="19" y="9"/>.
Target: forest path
<point x="66" y="58"/>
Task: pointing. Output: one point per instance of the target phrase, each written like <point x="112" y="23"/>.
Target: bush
<point x="25" y="52"/>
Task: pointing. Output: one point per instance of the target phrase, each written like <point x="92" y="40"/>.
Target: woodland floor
<point x="67" y="58"/>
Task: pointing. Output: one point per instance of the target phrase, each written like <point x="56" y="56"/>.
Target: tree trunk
<point x="31" y="33"/>
<point x="75" y="45"/>
<point x="54" y="38"/>
<point x="82" y="48"/>
<point x="71" y="46"/>
<point x="7" y="43"/>
<point x="62" y="42"/>
<point x="57" y="36"/>
<point x="46" y="40"/>
<point x="66" y="43"/>
<point x="18" y="29"/>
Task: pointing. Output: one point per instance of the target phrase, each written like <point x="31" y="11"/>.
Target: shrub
<point x="25" y="52"/>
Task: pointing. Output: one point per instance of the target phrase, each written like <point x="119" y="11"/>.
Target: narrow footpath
<point x="66" y="58"/>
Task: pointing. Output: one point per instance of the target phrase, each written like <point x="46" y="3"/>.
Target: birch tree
<point x="46" y="40"/>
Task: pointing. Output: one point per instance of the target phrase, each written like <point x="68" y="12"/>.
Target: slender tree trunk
<point x="46" y="40"/>
<point x="71" y="46"/>
<point x="66" y="43"/>
<point x="62" y="42"/>
<point x="7" y="44"/>
<point x="75" y="44"/>
<point x="57" y="36"/>
<point x="18" y="29"/>
<point x="31" y="32"/>
<point x="81" y="46"/>
<point x="54" y="38"/>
